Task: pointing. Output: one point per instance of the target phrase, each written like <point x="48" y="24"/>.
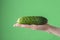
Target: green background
<point x="11" y="10"/>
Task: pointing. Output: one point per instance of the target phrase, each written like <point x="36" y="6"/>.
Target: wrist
<point x="49" y="28"/>
<point x="54" y="30"/>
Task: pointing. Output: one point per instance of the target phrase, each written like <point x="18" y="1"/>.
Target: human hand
<point x="34" y="27"/>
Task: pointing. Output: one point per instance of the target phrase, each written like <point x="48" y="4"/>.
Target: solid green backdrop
<point x="11" y="10"/>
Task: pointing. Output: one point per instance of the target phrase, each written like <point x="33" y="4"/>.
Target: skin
<point x="46" y="27"/>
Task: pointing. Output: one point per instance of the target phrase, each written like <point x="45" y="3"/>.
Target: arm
<point x="48" y="28"/>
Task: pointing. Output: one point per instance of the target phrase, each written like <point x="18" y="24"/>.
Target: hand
<point x="34" y="27"/>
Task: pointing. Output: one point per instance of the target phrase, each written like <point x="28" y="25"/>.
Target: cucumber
<point x="36" y="20"/>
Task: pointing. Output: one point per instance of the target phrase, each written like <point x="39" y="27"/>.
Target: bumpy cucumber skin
<point x="37" y="20"/>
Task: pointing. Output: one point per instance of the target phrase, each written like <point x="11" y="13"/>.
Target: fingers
<point x="33" y="27"/>
<point x="22" y="25"/>
<point x="15" y="25"/>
